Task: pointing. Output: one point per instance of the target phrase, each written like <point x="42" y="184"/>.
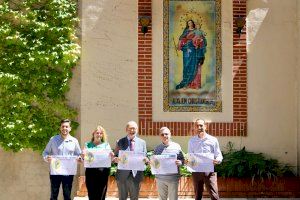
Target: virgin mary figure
<point x="192" y="43"/>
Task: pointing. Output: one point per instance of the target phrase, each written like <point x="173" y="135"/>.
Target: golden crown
<point x="190" y="15"/>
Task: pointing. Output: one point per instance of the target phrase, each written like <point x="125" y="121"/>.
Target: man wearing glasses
<point x="167" y="184"/>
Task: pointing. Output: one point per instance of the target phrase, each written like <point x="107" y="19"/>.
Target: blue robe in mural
<point x="193" y="44"/>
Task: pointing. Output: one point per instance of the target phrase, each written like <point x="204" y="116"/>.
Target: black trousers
<point x="96" y="182"/>
<point x="66" y="181"/>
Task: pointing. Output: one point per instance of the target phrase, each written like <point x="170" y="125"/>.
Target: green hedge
<point x="38" y="49"/>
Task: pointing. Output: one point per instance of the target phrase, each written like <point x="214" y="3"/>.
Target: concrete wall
<point x="272" y="39"/>
<point x="272" y="79"/>
<point x="109" y="66"/>
<point x="23" y="176"/>
<point x="109" y="73"/>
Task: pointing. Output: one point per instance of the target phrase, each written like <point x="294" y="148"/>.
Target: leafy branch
<point x="38" y="49"/>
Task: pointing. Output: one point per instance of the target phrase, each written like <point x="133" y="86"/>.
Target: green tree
<point x="38" y="49"/>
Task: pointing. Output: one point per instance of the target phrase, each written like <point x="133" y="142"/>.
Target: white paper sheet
<point x="63" y="165"/>
<point x="95" y="158"/>
<point x="163" y="164"/>
<point x="130" y="160"/>
<point x="199" y="162"/>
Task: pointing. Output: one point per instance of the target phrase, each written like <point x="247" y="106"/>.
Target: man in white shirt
<point x="204" y="143"/>
<point x="62" y="144"/>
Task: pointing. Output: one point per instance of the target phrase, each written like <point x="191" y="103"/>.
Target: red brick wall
<point x="238" y="127"/>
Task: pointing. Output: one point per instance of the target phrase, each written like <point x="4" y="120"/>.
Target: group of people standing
<point x="129" y="181"/>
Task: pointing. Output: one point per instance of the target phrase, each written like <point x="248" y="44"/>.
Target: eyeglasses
<point x="164" y="134"/>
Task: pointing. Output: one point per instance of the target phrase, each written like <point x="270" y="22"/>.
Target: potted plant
<point x="247" y="174"/>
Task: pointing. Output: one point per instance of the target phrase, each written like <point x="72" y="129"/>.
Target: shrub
<point x="243" y="163"/>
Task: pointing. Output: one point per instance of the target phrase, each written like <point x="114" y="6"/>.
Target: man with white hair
<point x="167" y="184"/>
<point x="129" y="181"/>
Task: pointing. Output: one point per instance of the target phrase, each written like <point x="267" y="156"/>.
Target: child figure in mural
<point x="192" y="43"/>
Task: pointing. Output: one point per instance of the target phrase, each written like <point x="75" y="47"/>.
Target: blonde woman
<point x="96" y="178"/>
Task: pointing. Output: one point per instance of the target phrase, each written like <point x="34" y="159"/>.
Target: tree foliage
<point x="38" y="49"/>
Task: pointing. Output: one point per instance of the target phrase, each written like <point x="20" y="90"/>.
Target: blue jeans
<point x="66" y="181"/>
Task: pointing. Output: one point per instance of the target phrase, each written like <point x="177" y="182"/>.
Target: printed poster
<point x="130" y="160"/>
<point x="95" y="158"/>
<point x="198" y="162"/>
<point x="63" y="165"/>
<point x="163" y="164"/>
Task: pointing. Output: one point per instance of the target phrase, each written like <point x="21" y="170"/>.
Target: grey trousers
<point x="167" y="189"/>
<point x="129" y="186"/>
<point x="210" y="181"/>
